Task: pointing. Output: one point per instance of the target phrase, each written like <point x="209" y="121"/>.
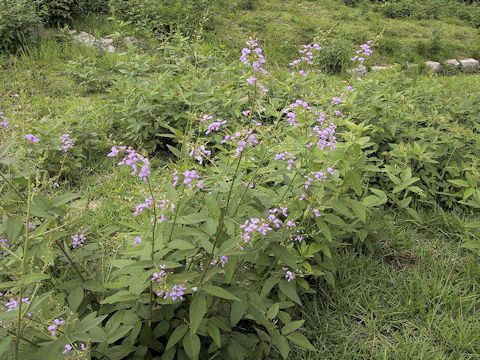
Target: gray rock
<point x="433" y="65"/>
<point x="106" y="41"/>
<point x="110" y="49"/>
<point x="378" y="68"/>
<point x="469" y="65"/>
<point x="452" y="63"/>
<point x="72" y="32"/>
<point x="360" y="71"/>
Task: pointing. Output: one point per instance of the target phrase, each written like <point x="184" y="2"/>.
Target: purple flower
<point x="288" y="274"/>
<point x="139" y="208"/>
<point x="53" y="328"/>
<point x="200" y="153"/>
<point x="11" y="305"/>
<point x="4" y="123"/>
<point x="83" y="347"/>
<point x="138" y="240"/>
<point x="223" y="261"/>
<point x="206" y="117"/>
<point x="251" y="80"/>
<point x="336" y="100"/>
<point x="263" y="88"/>
<point x="189" y="176"/>
<point x="246" y="112"/>
<point x="66" y="141"/>
<point x="316" y="212"/>
<point x="303" y="73"/>
<point x="349" y="88"/>
<point x="215" y="126"/>
<point x="67" y="349"/>
<point x="132" y="159"/>
<point x="4" y="242"/>
<point x="253" y="225"/>
<point x="364" y="52"/>
<point x="177" y="292"/>
<point x="32" y="138"/>
<point x="78" y="240"/>
<point x="286" y="156"/>
<point x="160" y="276"/>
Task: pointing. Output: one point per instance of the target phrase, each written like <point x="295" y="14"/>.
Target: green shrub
<point x="399" y="9"/>
<point x="60" y="12"/>
<point x="335" y="55"/>
<point x="19" y="24"/>
<point x="165" y="17"/>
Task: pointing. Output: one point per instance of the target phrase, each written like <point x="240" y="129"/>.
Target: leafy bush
<point x="399" y="9"/>
<point x="335" y="55"/>
<point x="217" y="256"/>
<point x="19" y="23"/>
<point x="165" y="17"/>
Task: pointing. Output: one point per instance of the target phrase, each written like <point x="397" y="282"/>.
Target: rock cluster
<point x="104" y="44"/>
<point x="464" y="65"/>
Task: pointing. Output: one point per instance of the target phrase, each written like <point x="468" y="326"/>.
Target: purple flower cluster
<point x="292" y="116"/>
<point x="66" y="141"/>
<point x="4" y="242"/>
<point x="243" y="137"/>
<point x="317" y="212"/>
<point x="288" y="274"/>
<point x="159" y="277"/>
<point x="326" y="137"/>
<point x="131" y="159"/>
<point x="254" y="50"/>
<point x="316" y="175"/>
<point x="205" y="118"/>
<point x="32" y="138"/>
<point x="139" y="208"/>
<point x="13" y="304"/>
<point x="4" y="123"/>
<point x="53" y="328"/>
<point x="215" y="126"/>
<point x="177" y="292"/>
<point x="189" y="176"/>
<point x="273" y="216"/>
<point x="200" y="153"/>
<point x="223" y="261"/>
<point x="363" y="53"/>
<point x="307" y="56"/>
<point x="78" y="240"/>
<point x="286" y="156"/>
<point x="253" y="225"/>
<point x="69" y="347"/>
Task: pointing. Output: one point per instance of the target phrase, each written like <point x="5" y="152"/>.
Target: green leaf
<point x="180" y="244"/>
<point x="191" y="345"/>
<point x="300" y="340"/>
<point x="214" y="332"/>
<point x="175" y="151"/>
<point x="291" y="327"/>
<point x="359" y="210"/>
<point x="269" y="284"/>
<point x="120" y="297"/>
<point x="118" y="333"/>
<point x="273" y="311"/>
<point x="282" y="345"/>
<point x="14" y="227"/>
<point x="177" y="334"/>
<point x="220" y="292"/>
<point x="198" y="309"/>
<point x="75" y="298"/>
<point x="288" y="288"/>
<point x="34" y="278"/>
<point x="238" y="310"/>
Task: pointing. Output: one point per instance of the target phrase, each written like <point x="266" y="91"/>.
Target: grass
<point x="283" y="26"/>
<point x="415" y="297"/>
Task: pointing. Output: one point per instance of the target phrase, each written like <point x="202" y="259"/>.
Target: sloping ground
<point x="284" y="25"/>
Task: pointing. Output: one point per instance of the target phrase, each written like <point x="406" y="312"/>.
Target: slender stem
<point x="152" y="250"/>
<point x="24" y="262"/>
<point x="70" y="260"/>
<point x="222" y="218"/>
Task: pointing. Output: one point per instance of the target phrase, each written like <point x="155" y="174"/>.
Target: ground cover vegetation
<point x="198" y="196"/>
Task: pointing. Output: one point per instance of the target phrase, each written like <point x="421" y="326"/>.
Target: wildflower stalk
<point x="222" y="219"/>
<point x="152" y="250"/>
<point x="24" y="263"/>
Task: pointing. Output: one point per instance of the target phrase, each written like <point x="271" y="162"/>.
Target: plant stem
<point x="222" y="218"/>
<point x="70" y="260"/>
<point x="152" y="250"/>
<point x="24" y="262"/>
